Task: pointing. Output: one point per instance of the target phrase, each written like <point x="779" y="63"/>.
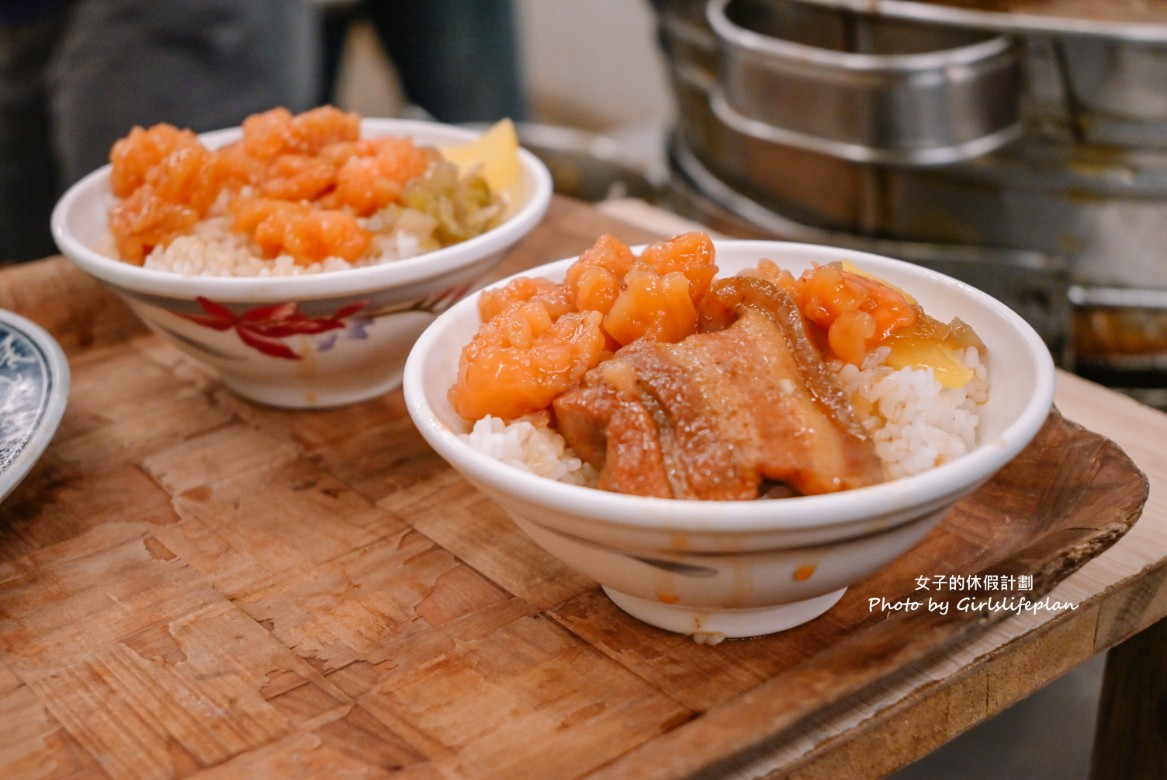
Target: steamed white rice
<point x="530" y="444"/>
<point x="214" y="249"/>
<point x="915" y="422"/>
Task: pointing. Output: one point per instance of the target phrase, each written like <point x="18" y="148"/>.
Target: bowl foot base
<point x="713" y="625"/>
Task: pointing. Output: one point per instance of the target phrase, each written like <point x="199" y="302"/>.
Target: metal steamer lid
<point x="1143" y="21"/>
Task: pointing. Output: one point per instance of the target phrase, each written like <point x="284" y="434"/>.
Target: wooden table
<point x="194" y="585"/>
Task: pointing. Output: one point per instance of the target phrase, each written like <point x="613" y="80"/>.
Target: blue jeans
<point x="457" y="59"/>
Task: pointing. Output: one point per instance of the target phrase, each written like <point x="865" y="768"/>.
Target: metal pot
<point x="1078" y="198"/>
<point x="863" y="88"/>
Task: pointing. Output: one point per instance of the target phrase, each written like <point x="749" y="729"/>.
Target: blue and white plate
<point x="34" y="389"/>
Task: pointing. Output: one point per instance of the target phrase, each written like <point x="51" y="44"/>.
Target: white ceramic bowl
<point x="746" y="568"/>
<point x="302" y="341"/>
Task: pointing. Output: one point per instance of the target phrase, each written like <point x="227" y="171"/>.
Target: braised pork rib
<point x="746" y="402"/>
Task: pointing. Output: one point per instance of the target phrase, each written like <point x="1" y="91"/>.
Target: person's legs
<point x="336" y="17"/>
<point x="199" y="64"/>
<point x="28" y="180"/>
<point x="457" y="59"/>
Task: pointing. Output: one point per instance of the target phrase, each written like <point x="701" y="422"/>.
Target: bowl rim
<point x="398" y="273"/>
<point x="58" y="378"/>
<point x="865" y="505"/>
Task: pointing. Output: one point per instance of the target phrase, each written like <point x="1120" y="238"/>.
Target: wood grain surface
<point x="191" y="584"/>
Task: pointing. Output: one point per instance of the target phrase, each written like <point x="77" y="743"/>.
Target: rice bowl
<point x="747" y="551"/>
<point x="339" y="336"/>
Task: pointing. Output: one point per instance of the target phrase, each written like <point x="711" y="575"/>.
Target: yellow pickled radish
<point x="946" y="365"/>
<point x="494" y="155"/>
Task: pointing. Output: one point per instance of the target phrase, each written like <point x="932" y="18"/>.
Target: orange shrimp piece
<point x="190" y="176"/>
<point x="176" y="193"/>
<point x="271" y="133"/>
<point x="690" y="254"/>
<point x="134" y="156"/>
<point x="370" y="182"/>
<point x="556" y="299"/>
<point x="267" y="220"/>
<point x="320" y="127"/>
<point x="340" y="152"/>
<point x="297" y="177"/>
<point x="660" y="294"/>
<point x="521" y="359"/>
<point x="239" y="168"/>
<point x="857" y="311"/>
<point x="361" y="186"/>
<point x="143" y="221"/>
<point x="323" y="233"/>
<point x="851" y="335"/>
<point x="658" y="308"/>
<point x="267" y="134"/>
<point x="308" y="235"/>
<point x="595" y="278"/>
<point x="248" y="213"/>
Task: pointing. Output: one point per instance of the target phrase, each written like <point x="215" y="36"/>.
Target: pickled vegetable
<point x="494" y="156"/>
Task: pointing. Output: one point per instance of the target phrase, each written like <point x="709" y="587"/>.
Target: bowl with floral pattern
<point x="334" y="336"/>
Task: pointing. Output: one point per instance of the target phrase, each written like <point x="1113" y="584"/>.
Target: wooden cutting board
<point x="191" y="582"/>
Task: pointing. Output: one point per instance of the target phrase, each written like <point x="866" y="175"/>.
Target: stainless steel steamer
<point x="1018" y="144"/>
